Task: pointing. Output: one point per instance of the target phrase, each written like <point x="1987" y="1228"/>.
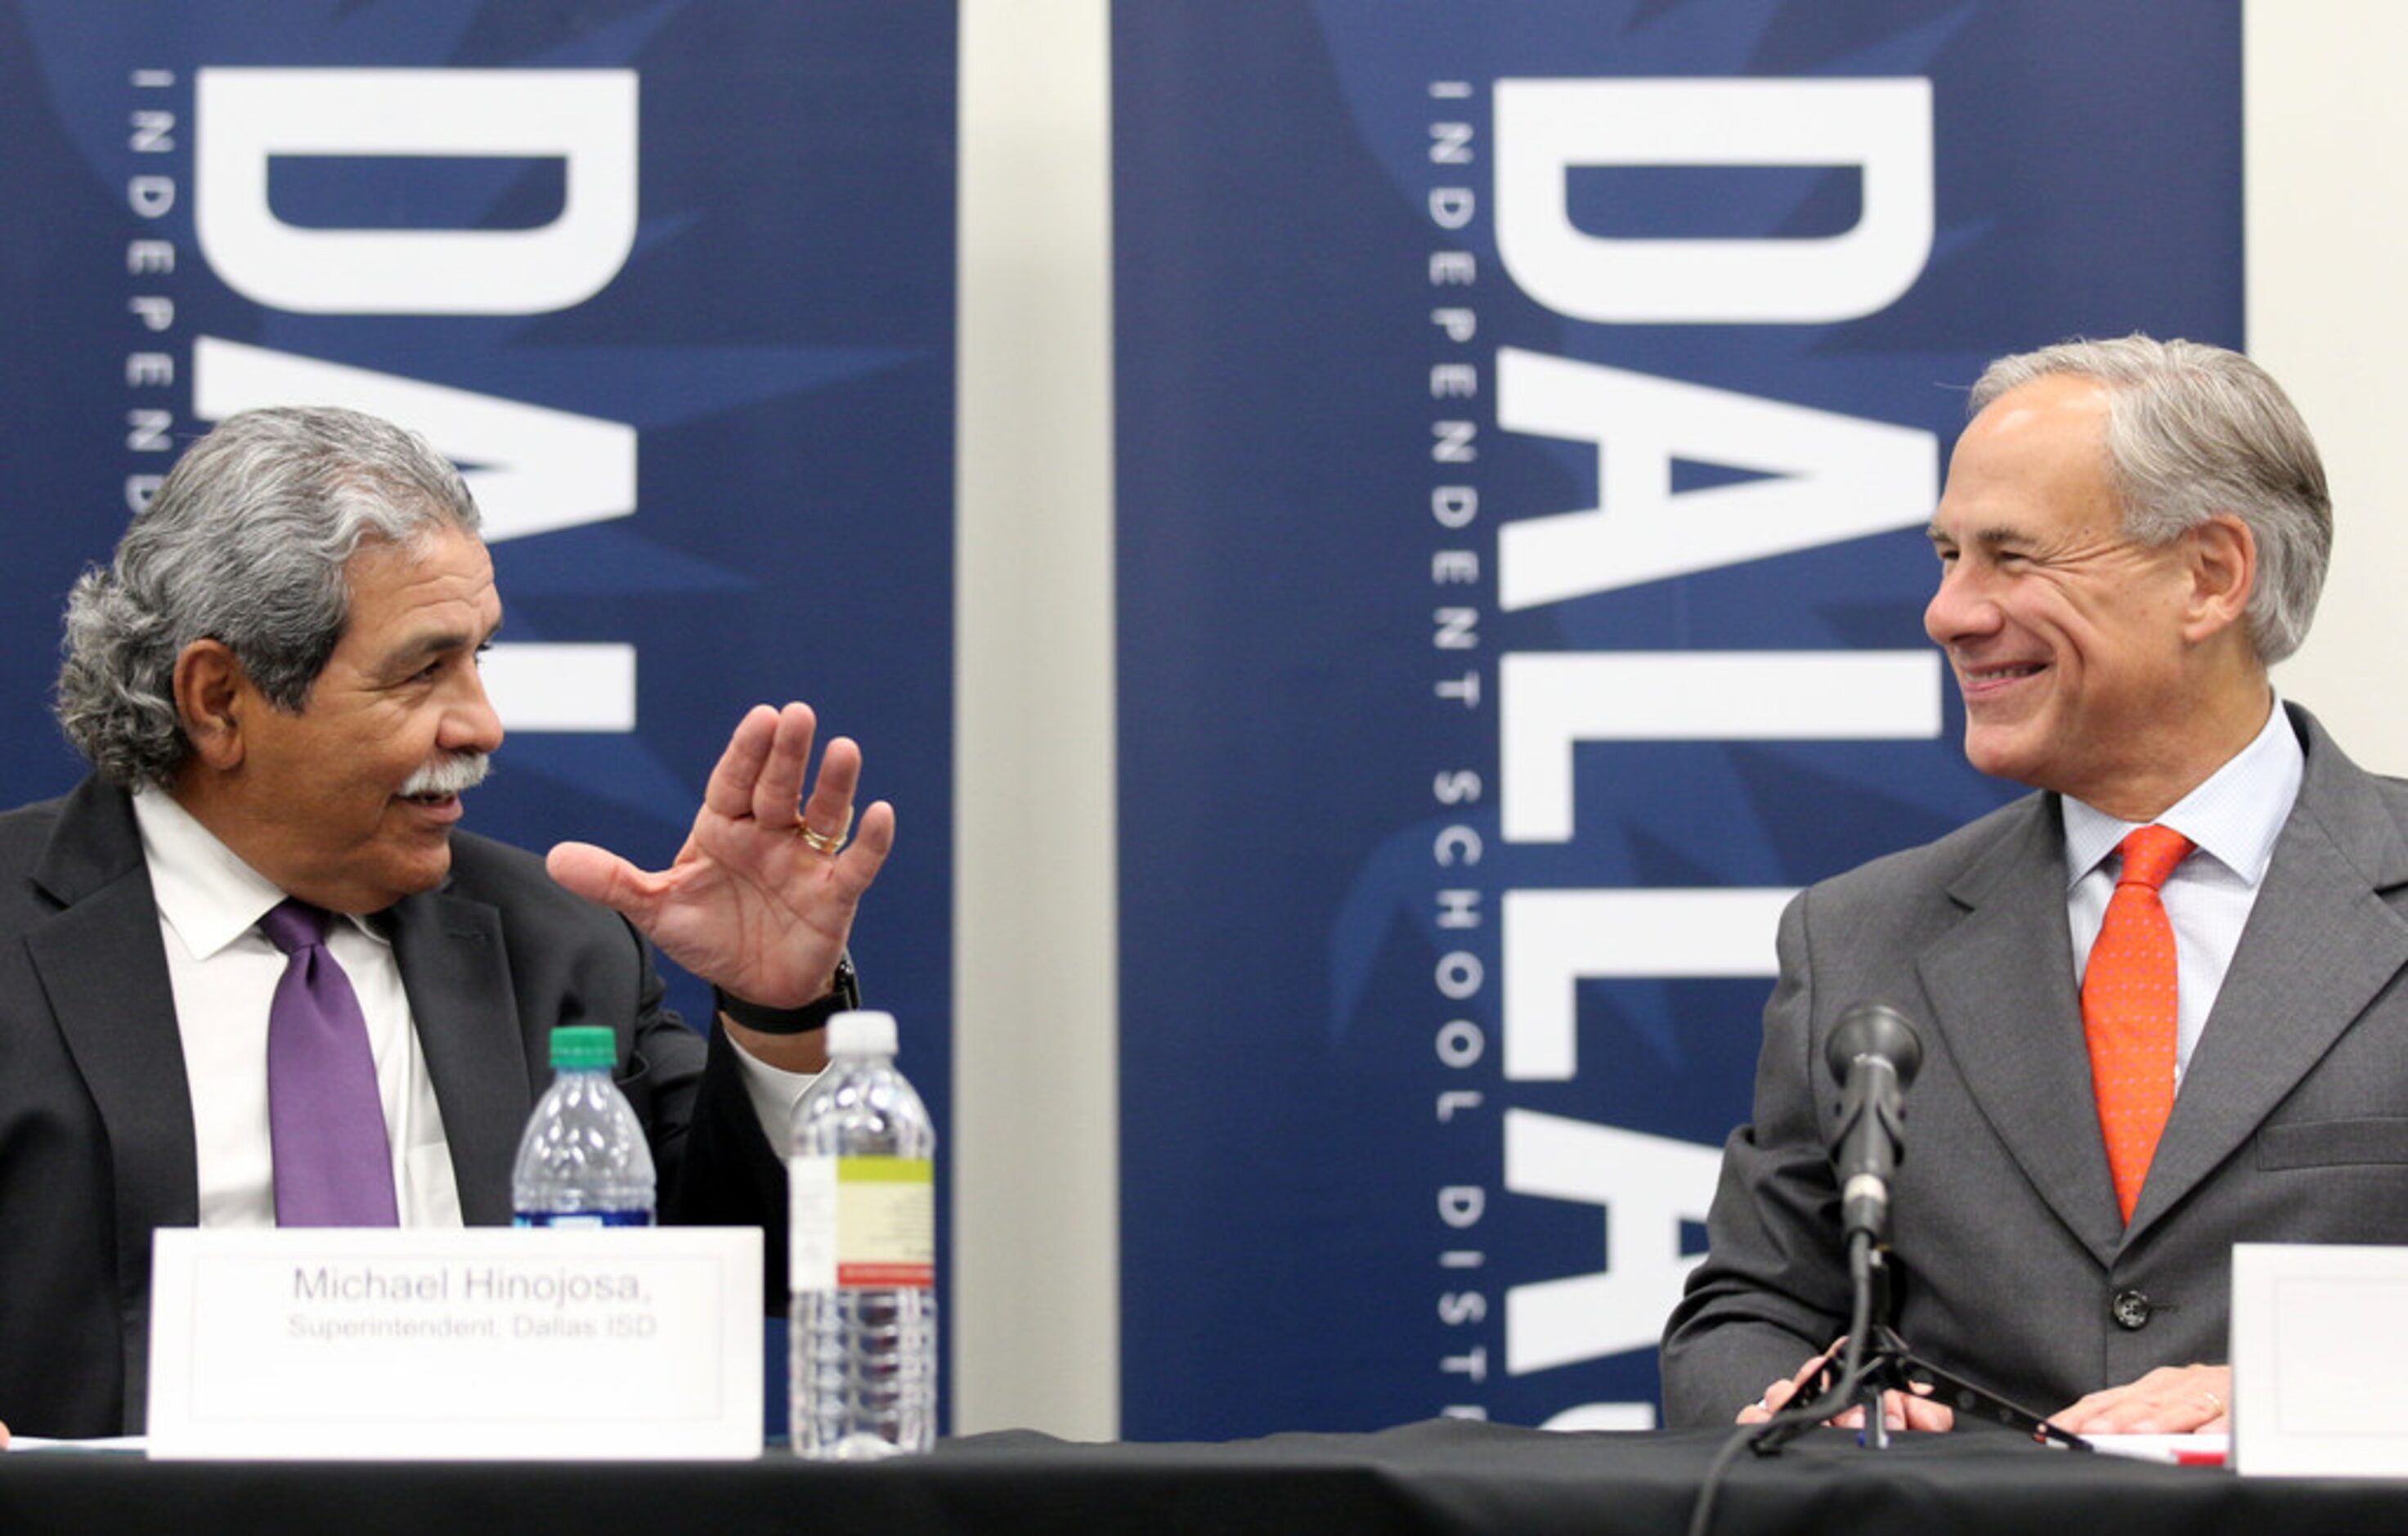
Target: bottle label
<point x="868" y="1223"/>
<point x="566" y="1219"/>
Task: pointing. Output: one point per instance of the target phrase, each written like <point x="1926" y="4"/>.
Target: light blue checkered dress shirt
<point x="2234" y="818"/>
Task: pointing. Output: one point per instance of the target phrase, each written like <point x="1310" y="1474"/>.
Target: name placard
<point x="491" y="1343"/>
<point x="2318" y="1357"/>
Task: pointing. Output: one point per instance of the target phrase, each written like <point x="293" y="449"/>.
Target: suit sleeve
<point x="1774" y="1289"/>
<point x="730" y="1172"/>
<point x="729" y="1175"/>
<point x="714" y="1165"/>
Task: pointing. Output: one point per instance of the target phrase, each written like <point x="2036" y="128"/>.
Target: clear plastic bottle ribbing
<point x="863" y="1356"/>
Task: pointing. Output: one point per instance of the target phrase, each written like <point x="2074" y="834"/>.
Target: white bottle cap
<point x="862" y="1032"/>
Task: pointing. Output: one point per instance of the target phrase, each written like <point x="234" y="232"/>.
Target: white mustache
<point x="449" y="775"/>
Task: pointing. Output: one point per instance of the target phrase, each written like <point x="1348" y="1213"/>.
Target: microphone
<point x="1874" y="1055"/>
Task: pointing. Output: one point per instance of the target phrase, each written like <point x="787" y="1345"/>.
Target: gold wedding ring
<point x="825" y="842"/>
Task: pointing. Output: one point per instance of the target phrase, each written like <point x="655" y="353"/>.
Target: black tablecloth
<point x="1436" y="1477"/>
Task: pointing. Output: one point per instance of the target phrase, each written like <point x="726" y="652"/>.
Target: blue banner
<point x="1529" y="416"/>
<point x="673" y="282"/>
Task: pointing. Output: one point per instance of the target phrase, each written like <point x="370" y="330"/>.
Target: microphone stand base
<point x="1889" y="1365"/>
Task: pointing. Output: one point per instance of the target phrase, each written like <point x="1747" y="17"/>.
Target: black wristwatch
<point x="844" y="992"/>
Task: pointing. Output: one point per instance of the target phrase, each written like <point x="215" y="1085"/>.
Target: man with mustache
<point x="275" y="683"/>
<point x="2160" y="1001"/>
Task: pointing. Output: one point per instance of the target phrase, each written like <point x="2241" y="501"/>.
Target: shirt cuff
<point x="774" y="1093"/>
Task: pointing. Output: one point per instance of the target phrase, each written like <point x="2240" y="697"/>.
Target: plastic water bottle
<point x="584" y="1161"/>
<point x="861" y="1179"/>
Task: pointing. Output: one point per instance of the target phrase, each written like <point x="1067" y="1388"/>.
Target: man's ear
<point x="213" y="697"/>
<point x="2224" y="575"/>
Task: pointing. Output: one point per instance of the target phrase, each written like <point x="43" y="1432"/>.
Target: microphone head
<point x="1875" y="1029"/>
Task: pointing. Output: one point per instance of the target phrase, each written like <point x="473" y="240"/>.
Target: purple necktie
<point x="324" y="1117"/>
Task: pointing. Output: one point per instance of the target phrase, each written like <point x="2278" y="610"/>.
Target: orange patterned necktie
<point x="2128" y="1009"/>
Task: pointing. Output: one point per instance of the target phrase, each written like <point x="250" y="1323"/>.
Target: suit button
<point x="2130" y="1310"/>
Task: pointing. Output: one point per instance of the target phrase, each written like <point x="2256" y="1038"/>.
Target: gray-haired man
<point x="2121" y="1078"/>
<point x="277" y="684"/>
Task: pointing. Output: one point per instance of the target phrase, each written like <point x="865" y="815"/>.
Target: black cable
<point x="1850" y="1385"/>
<point x="1701" y="1514"/>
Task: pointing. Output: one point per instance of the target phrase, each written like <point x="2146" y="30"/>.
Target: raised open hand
<point x="760" y="899"/>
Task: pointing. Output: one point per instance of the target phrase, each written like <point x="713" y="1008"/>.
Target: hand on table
<point x="2172" y="1400"/>
<point x="1900" y="1409"/>
<point x="751" y="903"/>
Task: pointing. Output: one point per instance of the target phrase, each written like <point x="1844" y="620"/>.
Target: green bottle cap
<point x="583" y="1048"/>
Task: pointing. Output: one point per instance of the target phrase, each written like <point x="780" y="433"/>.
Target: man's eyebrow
<point x="1987" y="538"/>
<point x="440" y="642"/>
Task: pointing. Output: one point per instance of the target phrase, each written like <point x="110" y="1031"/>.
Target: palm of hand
<point x="749" y="904"/>
<point x="757" y="911"/>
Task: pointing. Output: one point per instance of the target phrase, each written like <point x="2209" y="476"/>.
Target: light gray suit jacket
<point x="2291" y="1125"/>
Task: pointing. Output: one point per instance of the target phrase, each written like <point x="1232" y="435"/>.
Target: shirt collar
<point x="2234" y="816"/>
<point x="203" y="889"/>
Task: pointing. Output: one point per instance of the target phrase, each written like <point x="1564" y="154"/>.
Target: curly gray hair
<point x="2193" y="431"/>
<point x="246" y="543"/>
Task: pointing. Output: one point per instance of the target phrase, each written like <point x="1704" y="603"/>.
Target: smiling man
<point x="2160" y="1000"/>
<point x="275" y="683"/>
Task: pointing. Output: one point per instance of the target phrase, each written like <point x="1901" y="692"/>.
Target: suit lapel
<point x="458" y="978"/>
<point x="102" y="966"/>
<point x="104" y="975"/>
<point x="2319" y="945"/>
<point x="104" y="972"/>
<point x="2003" y="1001"/>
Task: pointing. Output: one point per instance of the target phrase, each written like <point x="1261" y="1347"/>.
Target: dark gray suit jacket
<point x="2291" y="1125"/>
<point x="96" y="1114"/>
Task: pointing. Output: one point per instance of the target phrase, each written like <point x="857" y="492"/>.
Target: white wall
<point x="1036" y="1322"/>
<point x="1035" y="1176"/>
<point x="2326" y="176"/>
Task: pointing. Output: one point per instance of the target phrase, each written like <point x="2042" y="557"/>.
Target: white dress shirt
<point x="224" y="973"/>
<point x="2234" y="818"/>
<point x="774" y="1093"/>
